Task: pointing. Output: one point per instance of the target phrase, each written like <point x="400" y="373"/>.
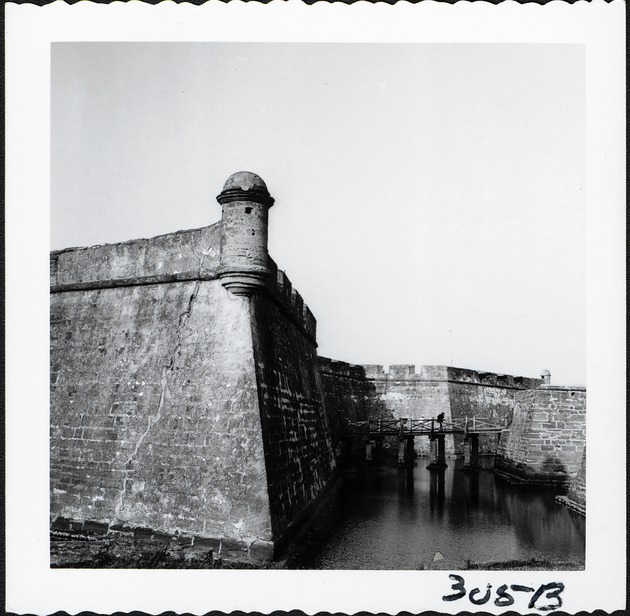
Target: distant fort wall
<point x="349" y="399"/>
<point x="186" y="399"/>
<point x="357" y="393"/>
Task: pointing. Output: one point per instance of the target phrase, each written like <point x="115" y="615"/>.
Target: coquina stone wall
<point x="186" y="399"/>
<point x="403" y="393"/>
<point x="486" y="395"/>
<point x="545" y="443"/>
<point x="350" y="400"/>
<point x="154" y="393"/>
<point x="298" y="447"/>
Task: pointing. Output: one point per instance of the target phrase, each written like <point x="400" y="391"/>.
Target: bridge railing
<point x="485" y="424"/>
<point x="409" y="426"/>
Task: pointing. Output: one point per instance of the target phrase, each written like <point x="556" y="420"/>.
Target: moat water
<point x="385" y="517"/>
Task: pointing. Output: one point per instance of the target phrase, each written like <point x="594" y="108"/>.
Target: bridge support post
<point x="471" y="452"/>
<point x="368" y="452"/>
<point x="377" y="451"/>
<point x="438" y="450"/>
<point x="406" y="452"/>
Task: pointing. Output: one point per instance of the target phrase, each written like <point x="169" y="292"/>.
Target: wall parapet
<point x="575" y="388"/>
<point x="173" y="257"/>
<point x="448" y="374"/>
<point x="341" y="369"/>
<point x="288" y="299"/>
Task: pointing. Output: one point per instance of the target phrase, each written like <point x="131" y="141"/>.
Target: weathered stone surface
<point x="182" y="255"/>
<point x="347" y="398"/>
<point x="154" y="411"/>
<point x="179" y="410"/>
<point x="486" y="395"/>
<point x="245" y="203"/>
<point x="403" y="393"/>
<point x="290" y="302"/>
<point x="545" y="442"/>
<point x="298" y="449"/>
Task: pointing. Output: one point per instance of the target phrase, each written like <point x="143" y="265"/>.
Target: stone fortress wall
<point x="299" y="458"/>
<point x="546" y="442"/>
<point x="349" y="403"/>
<point x="185" y="393"/>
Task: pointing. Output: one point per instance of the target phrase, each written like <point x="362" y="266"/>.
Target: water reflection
<point x="436" y="492"/>
<point x="396" y="518"/>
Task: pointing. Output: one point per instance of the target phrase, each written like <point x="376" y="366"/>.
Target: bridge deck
<point x="428" y="427"/>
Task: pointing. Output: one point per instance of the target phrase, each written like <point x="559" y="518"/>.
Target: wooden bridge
<point x="428" y="427"/>
<point x="406" y="429"/>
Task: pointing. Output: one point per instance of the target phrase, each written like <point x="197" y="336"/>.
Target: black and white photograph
<point x="324" y="307"/>
<point x="434" y="197"/>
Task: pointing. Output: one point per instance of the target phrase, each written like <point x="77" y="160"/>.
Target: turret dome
<point x="245" y="180"/>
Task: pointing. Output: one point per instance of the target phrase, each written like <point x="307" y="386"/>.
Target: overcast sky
<point x="424" y="193"/>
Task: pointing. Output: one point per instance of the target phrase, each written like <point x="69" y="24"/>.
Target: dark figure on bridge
<point x="440" y="420"/>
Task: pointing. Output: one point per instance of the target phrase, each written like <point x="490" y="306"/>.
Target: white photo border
<point x="35" y="588"/>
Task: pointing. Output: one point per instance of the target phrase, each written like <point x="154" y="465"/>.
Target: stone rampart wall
<point x="546" y="440"/>
<point x="185" y="255"/>
<point x="347" y="399"/>
<point x="154" y="400"/>
<point x="405" y="394"/>
<point x="290" y="302"/>
<point x="298" y="448"/>
<point x="177" y="406"/>
<point x="486" y="395"/>
<point x="407" y="372"/>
